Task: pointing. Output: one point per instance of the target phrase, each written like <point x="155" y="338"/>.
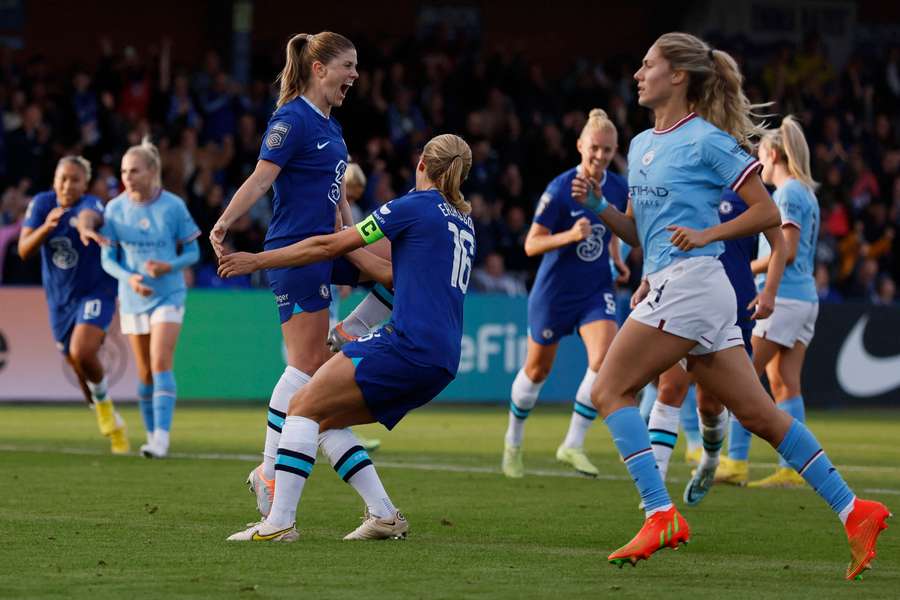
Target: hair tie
<point x="710" y="54"/>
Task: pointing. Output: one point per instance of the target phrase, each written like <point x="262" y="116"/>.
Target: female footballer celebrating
<point x="403" y="365"/>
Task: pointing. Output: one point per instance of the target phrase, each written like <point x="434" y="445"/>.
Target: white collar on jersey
<point x="602" y="181"/>
<point x="313" y="106"/>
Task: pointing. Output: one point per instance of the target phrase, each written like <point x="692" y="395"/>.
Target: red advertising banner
<point x="31" y="367"/>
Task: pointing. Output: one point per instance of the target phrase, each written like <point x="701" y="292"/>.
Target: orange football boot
<point x="663" y="529"/>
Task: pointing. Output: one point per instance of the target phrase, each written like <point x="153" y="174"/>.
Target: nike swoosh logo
<point x="269" y="536"/>
<point x="860" y="373"/>
<point x="320" y="146"/>
<point x="575" y="213"/>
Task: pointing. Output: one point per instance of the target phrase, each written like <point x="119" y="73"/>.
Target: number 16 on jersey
<point x="463" y="251"/>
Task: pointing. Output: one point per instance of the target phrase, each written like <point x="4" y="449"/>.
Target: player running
<point x="676" y="174"/>
<point x="81" y="297"/>
<point x="303" y="155"/>
<point x="780" y="342"/>
<point x="403" y="365"/>
<point x="145" y="226"/>
<point x="664" y="419"/>
<point x="573" y="292"/>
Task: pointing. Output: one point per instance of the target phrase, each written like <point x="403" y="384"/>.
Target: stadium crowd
<point x="520" y="119"/>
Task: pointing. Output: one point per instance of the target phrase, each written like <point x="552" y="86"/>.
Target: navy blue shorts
<point x="344" y="272"/>
<point x="746" y="326"/>
<point x="301" y="289"/>
<point x="90" y="310"/>
<point x="391" y="384"/>
<point x="548" y="324"/>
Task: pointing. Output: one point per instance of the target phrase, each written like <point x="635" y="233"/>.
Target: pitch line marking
<point x="441" y="467"/>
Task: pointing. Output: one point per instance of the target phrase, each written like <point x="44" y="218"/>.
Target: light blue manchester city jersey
<point x="676" y="177"/>
<point x="144" y="231"/>
<point x="799" y="208"/>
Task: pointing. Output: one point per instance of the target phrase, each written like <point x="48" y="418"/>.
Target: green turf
<point x="95" y="526"/>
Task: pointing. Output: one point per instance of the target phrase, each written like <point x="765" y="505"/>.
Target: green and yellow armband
<point x="369" y="230"/>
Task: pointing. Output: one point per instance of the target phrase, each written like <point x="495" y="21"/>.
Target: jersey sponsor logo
<point x="739" y="150"/>
<point x="277" y="134"/>
<point x="648" y="158"/>
<point x="725" y="207"/>
<point x="334" y="192"/>
<point x="64" y="256"/>
<point x="590" y="248"/>
<point x="324" y="291"/>
<point x="282" y="300"/>
<point x="575" y="213"/>
<point x="323" y="144"/>
<point x="860" y="373"/>
<point x="542" y="204"/>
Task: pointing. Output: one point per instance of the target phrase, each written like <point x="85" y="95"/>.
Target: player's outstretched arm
<point x="540" y="241"/>
<point x="305" y="252"/>
<point x="373" y="267"/>
<point x="251" y="190"/>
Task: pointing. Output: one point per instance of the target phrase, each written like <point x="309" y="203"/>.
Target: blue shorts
<point x="90" y="310"/>
<point x="344" y="272"/>
<point x="391" y="384"/>
<point x="746" y="326"/>
<point x="548" y="324"/>
<point x="301" y="289"/>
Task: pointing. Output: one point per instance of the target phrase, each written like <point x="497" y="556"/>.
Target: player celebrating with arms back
<point x="304" y="157"/>
<point x="676" y="175"/>
<point x="80" y="296"/>
<point x="404" y="364"/>
<point x="145" y="226"/>
<point x="573" y="291"/>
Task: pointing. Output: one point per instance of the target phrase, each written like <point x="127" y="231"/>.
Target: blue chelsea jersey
<point x="738" y="254"/>
<point x="69" y="269"/>
<point x="149" y="230"/>
<point x="432" y="247"/>
<point x="575" y="273"/>
<point x="676" y="177"/>
<point x="309" y="147"/>
<point x="799" y="208"/>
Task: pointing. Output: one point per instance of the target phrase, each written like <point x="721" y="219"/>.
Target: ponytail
<point x="448" y="159"/>
<point x="301" y="52"/>
<point x="790" y="145"/>
<point x="715" y="86"/>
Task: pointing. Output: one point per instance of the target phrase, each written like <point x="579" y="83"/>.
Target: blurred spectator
<point x="354" y="188"/>
<point x="827" y="292"/>
<point x="886" y="292"/>
<point x="493" y="279"/>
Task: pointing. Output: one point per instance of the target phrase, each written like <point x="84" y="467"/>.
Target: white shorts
<point x="792" y="321"/>
<point x="693" y="298"/>
<point x="139" y="323"/>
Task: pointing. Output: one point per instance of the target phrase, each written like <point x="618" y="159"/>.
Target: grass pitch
<point x="77" y="522"/>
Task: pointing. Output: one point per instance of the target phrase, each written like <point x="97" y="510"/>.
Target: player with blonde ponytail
<point x="780" y="341"/>
<point x="572" y="293"/>
<point x="676" y="174"/>
<point x="399" y="367"/>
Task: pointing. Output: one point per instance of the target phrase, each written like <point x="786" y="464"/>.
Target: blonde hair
<point x="598" y="119"/>
<point x="714" y="86"/>
<point x="76" y="160"/>
<point x="150" y="154"/>
<point x="354" y="175"/>
<point x="301" y="52"/>
<point x="448" y="159"/>
<point x="790" y="145"/>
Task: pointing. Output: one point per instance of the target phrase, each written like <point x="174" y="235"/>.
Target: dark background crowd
<point x="520" y="120"/>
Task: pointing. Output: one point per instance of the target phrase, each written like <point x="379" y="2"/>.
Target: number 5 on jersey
<point x="463" y="251"/>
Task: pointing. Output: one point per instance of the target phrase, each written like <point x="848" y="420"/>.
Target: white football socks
<point x="353" y="465"/>
<point x="289" y="383"/>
